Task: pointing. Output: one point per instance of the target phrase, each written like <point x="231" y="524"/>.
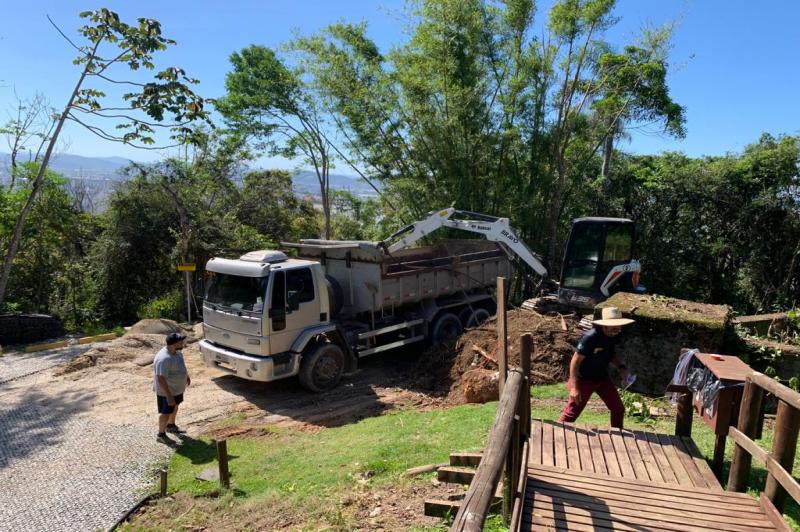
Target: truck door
<point x="294" y="307"/>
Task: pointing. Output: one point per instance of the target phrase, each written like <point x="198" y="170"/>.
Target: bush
<point x="169" y="306"/>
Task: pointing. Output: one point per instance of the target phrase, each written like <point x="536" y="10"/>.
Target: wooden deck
<point x="589" y="478"/>
<point x="626" y="454"/>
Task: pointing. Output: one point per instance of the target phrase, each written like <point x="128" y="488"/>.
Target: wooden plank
<point x="465" y="459"/>
<point x="536" y="442"/>
<point x="625" y="464"/>
<point x="662" y="461"/>
<point x="662" y="510"/>
<point x="572" y="515"/>
<point x="547" y="444"/>
<point x="688" y="462"/>
<point x="785" y="479"/>
<point x="773" y="514"/>
<point x="573" y="456"/>
<point x="577" y="478"/>
<point x="441" y="508"/>
<point x="547" y="524"/>
<point x="784" y="393"/>
<point x="648" y="459"/>
<point x="667" y="502"/>
<point x="601" y="513"/>
<point x="701" y="463"/>
<point x="584" y="450"/>
<point x="598" y="459"/>
<point x="559" y="445"/>
<point x="455" y="475"/>
<point x="635" y="456"/>
<point x="608" y="453"/>
<point x="674" y="460"/>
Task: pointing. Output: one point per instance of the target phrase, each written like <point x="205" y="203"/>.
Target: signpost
<point x="186" y="268"/>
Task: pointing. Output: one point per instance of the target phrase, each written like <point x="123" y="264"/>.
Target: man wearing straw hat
<point x="588" y="369"/>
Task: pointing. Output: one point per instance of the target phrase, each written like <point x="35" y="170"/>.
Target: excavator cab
<point x="598" y="262"/>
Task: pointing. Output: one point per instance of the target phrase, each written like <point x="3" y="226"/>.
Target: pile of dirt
<point x="132" y="347"/>
<point x="159" y="326"/>
<point x="465" y="371"/>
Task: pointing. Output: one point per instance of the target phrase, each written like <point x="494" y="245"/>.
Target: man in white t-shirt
<point x="169" y="382"/>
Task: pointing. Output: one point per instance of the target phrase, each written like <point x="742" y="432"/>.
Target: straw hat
<point x="612" y="317"/>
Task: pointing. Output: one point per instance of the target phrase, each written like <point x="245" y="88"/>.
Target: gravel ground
<point x="17" y="365"/>
<point x="60" y="468"/>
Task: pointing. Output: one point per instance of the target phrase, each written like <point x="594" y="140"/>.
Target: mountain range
<point x="106" y="169"/>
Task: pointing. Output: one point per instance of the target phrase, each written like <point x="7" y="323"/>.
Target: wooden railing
<point x="780" y="460"/>
<point x="505" y="454"/>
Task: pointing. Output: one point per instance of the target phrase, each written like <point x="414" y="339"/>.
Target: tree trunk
<point x="552" y="218"/>
<point x="608" y="149"/>
<point x="16" y="236"/>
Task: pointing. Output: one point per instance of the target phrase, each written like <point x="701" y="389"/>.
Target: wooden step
<point x="456" y="475"/>
<point x="465" y="459"/>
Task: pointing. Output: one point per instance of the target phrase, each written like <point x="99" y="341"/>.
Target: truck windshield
<point x="235" y="292"/>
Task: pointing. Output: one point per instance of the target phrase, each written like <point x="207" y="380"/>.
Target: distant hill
<point x="97" y="170"/>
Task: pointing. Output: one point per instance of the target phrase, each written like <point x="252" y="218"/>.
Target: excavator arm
<point x="493" y="228"/>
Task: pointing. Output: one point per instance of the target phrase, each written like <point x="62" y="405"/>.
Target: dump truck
<point x="267" y="316"/>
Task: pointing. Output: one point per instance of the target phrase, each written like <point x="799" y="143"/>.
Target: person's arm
<point x="572" y="383"/>
<point x="162" y="381"/>
<point x="621" y="367"/>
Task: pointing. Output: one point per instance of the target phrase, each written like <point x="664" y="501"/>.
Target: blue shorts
<point x="164" y="407"/>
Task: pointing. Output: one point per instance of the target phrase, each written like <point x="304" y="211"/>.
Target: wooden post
<point x="719" y="453"/>
<point x="222" y="459"/>
<point x="784" y="444"/>
<point x="683" y="418"/>
<point x="526" y="352"/>
<point x="510" y="479"/>
<point x="749" y="413"/>
<point x="163" y="490"/>
<point x="502" y="334"/>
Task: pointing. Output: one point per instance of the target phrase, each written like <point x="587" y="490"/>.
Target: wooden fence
<point x="780" y="460"/>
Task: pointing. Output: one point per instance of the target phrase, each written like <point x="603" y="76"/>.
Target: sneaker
<point x="166" y="440"/>
<point x="175" y="429"/>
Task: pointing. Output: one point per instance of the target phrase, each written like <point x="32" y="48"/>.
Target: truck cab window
<point x="279" y="291"/>
<point x="302" y="282"/>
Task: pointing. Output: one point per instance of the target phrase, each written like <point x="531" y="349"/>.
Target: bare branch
<point x="78" y="48"/>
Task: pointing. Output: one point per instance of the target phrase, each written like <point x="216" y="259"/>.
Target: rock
<point x="209" y="474"/>
<point x="144" y="360"/>
<point x="376" y="512"/>
<point x="664" y="325"/>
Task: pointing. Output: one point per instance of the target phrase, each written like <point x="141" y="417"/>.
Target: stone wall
<point x="652" y="345"/>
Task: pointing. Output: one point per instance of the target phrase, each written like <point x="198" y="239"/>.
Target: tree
<point x="478" y="111"/>
<point x="28" y="129"/>
<point x="269" y="102"/>
<point x="110" y="43"/>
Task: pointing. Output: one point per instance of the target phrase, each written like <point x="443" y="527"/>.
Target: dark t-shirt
<point x="598" y="350"/>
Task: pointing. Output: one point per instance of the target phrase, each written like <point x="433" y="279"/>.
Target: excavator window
<point x="583" y="254"/>
<point x="619" y="240"/>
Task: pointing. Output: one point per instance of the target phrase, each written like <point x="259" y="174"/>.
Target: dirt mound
<point x="159" y="326"/>
<point x="120" y="350"/>
<point x="446" y="370"/>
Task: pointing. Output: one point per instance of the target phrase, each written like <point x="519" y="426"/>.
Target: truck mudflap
<point x="254" y="368"/>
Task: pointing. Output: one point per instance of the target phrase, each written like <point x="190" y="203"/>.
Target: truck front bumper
<point x="254" y="368"/>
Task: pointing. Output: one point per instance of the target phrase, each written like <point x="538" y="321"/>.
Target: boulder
<point x="652" y="345"/>
<point x="155" y="326"/>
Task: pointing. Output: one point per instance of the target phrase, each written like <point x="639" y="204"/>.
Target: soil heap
<point x="465" y="371"/>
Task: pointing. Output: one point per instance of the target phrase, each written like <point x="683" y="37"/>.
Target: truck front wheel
<point x="322" y="367"/>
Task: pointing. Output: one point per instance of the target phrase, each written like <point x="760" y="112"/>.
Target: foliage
<point x="478" y="111"/>
<point x="267" y="102"/>
<point x="169" y="306"/>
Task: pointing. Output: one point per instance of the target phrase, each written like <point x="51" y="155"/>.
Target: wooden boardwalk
<point x="589" y="478"/>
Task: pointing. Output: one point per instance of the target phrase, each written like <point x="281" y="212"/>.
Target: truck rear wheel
<point x="477" y="318"/>
<point x="447" y="327"/>
<point x="322" y="367"/>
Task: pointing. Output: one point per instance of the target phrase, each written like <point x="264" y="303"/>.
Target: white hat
<point x="612" y="317"/>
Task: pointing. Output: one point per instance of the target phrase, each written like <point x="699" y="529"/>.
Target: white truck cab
<point x="255" y="309"/>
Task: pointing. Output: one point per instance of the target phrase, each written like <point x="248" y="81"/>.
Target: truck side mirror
<point x="293" y="298"/>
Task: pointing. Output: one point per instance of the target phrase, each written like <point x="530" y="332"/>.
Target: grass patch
<point x="311" y="473"/>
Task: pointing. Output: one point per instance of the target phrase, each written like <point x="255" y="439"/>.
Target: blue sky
<point x="736" y="63"/>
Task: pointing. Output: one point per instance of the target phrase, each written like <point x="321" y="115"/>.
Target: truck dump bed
<point x="371" y="279"/>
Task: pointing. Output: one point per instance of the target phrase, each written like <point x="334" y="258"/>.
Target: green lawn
<point x="309" y="474"/>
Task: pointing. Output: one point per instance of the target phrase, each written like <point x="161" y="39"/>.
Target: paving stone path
<point x="61" y="469"/>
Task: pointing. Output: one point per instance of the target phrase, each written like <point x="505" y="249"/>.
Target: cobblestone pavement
<point x="61" y="469"/>
<point x="17" y="365"/>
